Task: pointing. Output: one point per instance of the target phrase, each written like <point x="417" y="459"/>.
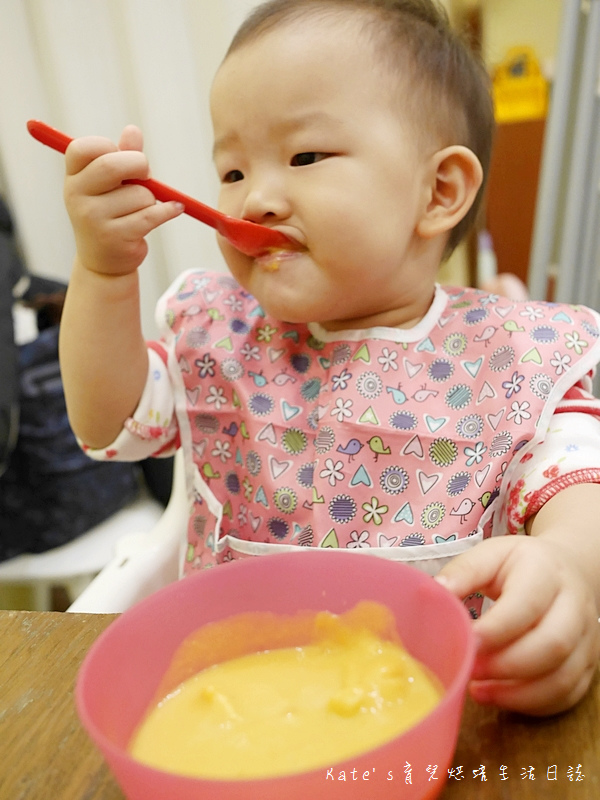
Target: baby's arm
<point x="103" y="355"/>
<point x="539" y="644"/>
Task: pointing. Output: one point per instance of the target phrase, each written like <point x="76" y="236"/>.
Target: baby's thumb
<point x="472" y="571"/>
<point x="131" y="138"/>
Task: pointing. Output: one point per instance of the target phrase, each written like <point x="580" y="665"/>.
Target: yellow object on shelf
<point x="520" y="90"/>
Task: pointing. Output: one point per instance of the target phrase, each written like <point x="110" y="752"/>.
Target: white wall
<point x="92" y="66"/>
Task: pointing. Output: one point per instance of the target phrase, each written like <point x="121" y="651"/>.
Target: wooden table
<point x="46" y="755"/>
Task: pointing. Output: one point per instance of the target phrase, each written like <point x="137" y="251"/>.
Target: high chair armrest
<point x="143" y="562"/>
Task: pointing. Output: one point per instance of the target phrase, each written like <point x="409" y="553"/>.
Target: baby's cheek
<point x="237" y="262"/>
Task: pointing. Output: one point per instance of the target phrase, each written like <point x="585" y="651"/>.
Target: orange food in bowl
<point x="350" y="687"/>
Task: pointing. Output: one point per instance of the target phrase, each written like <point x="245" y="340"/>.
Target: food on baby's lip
<point x="269" y="261"/>
<point x="261" y="695"/>
<point x="272" y="259"/>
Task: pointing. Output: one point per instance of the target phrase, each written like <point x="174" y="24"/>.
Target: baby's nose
<point x="266" y="200"/>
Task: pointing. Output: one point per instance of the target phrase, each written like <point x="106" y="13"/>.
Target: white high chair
<point x="143" y="561"/>
<point x="74" y="565"/>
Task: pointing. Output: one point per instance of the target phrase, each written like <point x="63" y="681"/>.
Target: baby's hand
<point x="110" y="219"/>
<point x="539" y="644"/>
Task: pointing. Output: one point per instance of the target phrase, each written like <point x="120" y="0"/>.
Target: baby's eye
<point x="233" y="176"/>
<point x="304" y="159"/>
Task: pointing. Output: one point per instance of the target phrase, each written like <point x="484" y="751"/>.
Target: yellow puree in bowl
<point x="289" y="710"/>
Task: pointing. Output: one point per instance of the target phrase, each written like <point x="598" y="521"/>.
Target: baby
<point x="330" y="394"/>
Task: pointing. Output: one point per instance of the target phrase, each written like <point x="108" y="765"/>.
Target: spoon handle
<point x="48" y="135"/>
<point x="60" y="141"/>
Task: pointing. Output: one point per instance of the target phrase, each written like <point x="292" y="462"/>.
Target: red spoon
<point x="248" y="237"/>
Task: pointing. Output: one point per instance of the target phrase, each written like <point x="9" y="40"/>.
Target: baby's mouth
<point x="271" y="260"/>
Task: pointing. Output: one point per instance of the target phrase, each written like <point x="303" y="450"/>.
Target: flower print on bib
<point x="395" y="442"/>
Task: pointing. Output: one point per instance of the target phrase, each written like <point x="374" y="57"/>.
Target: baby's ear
<point x="455" y="177"/>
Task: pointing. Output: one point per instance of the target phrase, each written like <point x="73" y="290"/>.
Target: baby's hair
<point x="445" y="86"/>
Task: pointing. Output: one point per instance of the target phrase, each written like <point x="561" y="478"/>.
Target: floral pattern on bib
<point x="383" y="440"/>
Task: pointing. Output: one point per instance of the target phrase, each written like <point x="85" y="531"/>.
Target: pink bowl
<point x="123" y="669"/>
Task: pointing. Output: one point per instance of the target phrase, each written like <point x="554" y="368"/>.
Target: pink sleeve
<point x="569" y="454"/>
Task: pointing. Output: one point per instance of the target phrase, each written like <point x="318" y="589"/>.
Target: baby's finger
<point x="525" y="600"/>
<point x="542" y="649"/>
<point x="131" y="138"/>
<point x="107" y="172"/>
<point x="477" y="569"/>
<point x="551" y="694"/>
<point x="127" y="199"/>
<point x="511" y="571"/>
<point x="137" y="225"/>
<point x="84" y="150"/>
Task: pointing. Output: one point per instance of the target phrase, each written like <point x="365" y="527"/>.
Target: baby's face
<point x="309" y="139"/>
